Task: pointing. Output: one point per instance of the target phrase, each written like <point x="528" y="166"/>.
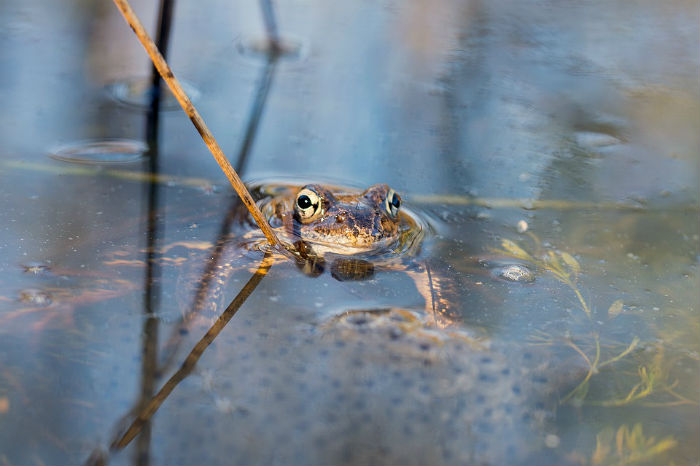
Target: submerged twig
<point x="184" y="101"/>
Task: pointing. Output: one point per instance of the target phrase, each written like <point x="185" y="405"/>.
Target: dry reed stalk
<point x="174" y="85"/>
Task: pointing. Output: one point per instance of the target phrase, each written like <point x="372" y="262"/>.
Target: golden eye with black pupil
<point x="307" y="205"/>
<point x="392" y="203"/>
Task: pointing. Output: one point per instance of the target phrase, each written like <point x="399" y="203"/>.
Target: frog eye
<point x="392" y="203"/>
<point x="307" y="205"/>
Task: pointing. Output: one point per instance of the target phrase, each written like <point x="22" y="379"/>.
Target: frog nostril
<point x="340" y="218"/>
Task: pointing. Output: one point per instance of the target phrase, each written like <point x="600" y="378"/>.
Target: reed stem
<point x="186" y="104"/>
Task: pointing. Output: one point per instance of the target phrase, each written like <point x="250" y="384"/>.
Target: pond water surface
<point x="550" y="149"/>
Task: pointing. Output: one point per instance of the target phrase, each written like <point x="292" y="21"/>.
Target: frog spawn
<point x="366" y="387"/>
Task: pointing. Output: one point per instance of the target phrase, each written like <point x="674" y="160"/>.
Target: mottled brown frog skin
<point x="339" y="222"/>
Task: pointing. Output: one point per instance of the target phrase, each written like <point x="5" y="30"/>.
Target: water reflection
<point x="149" y="404"/>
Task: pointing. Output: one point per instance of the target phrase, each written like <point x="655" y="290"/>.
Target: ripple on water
<point x="101" y="151"/>
<point x="137" y="92"/>
<point x="514" y="273"/>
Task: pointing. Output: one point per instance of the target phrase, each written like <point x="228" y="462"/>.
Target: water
<point x="535" y="138"/>
<point x="103" y="151"/>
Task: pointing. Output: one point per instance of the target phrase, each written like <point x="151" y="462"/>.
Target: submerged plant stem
<point x="582" y="301"/>
<point x="629" y="348"/>
<point x="592" y="368"/>
<point x="184" y="101"/>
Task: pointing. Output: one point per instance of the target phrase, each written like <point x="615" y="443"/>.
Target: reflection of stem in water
<point x="202" y="295"/>
<point x="152" y="405"/>
<point x="163" y="36"/>
<point x="151" y="296"/>
<point x="256" y="111"/>
<point x="153" y="273"/>
<point x="273" y="38"/>
<point x="210" y="271"/>
<point x="162" y="40"/>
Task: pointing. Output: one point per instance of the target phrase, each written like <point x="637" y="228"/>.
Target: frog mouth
<point x="346" y="246"/>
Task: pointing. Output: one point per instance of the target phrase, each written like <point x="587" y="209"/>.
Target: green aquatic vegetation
<point x="656" y="386"/>
<point x="595" y="362"/>
<point x="566" y="269"/>
<point x="628" y="446"/>
<point x="562" y="265"/>
<point x="649" y="372"/>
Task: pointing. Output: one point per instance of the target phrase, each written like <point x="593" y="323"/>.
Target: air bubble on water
<point x="101" y="151"/>
<point x="287" y="48"/>
<point x="224" y="405"/>
<point x="137" y="92"/>
<point x="551" y="441"/>
<point x="596" y="139"/>
<point x="35" y="297"/>
<point x="36" y="268"/>
<point x="514" y="273"/>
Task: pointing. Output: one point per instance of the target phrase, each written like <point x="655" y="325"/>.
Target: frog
<point x="339" y="221"/>
<point x="354" y="233"/>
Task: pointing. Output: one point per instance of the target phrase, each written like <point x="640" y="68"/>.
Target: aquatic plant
<point x="566" y="269"/>
<point x="651" y="381"/>
<point x="628" y="446"/>
<point x="654" y="384"/>
<point x="562" y="265"/>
